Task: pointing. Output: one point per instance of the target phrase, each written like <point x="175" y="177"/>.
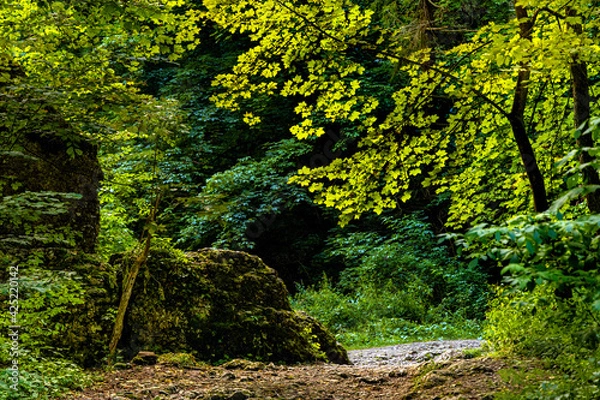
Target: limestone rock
<point x="145" y="358"/>
<point x="40" y="163"/>
<point x="240" y="363"/>
<point x="220" y="304"/>
<point x="181" y="360"/>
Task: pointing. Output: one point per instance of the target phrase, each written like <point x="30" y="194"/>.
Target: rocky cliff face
<point x="41" y="164"/>
<point x="49" y="223"/>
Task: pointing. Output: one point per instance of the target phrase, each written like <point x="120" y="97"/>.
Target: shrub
<point x="400" y="285"/>
<point x="44" y="379"/>
<point x="378" y="316"/>
<point x="408" y="256"/>
<point x="564" y="333"/>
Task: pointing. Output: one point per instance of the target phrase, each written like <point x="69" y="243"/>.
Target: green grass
<point x="374" y="317"/>
<point x="390" y="332"/>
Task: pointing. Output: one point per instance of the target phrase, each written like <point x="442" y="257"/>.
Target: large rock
<point x="77" y="319"/>
<point x="40" y="163"/>
<point x="220" y="305"/>
<point x="49" y="177"/>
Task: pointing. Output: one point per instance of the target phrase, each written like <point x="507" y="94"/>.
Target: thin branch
<point x="535" y="105"/>
<point x="555" y="14"/>
<point x="446" y="29"/>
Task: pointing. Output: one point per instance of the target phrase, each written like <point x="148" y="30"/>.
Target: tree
<point x="80" y="59"/>
<point x="581" y="106"/>
<point x="493" y="149"/>
<point x="69" y="78"/>
<point x="227" y="180"/>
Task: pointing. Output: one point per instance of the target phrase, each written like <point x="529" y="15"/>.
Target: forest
<point x="413" y="171"/>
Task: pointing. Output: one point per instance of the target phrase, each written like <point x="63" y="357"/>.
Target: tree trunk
<point x="581" y="115"/>
<point x="425" y="37"/>
<point x="534" y="175"/>
<point x="130" y="283"/>
<point x="516" y="119"/>
<point x="125" y="296"/>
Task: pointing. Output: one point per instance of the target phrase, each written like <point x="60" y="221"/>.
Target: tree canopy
<point x="508" y="112"/>
<point x="342" y="141"/>
<point x="79" y="60"/>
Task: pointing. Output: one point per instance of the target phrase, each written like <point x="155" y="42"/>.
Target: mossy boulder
<point x="218" y="305"/>
<point x="69" y="306"/>
<point x="41" y="164"/>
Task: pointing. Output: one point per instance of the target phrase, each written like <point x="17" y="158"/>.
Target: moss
<point x="220" y="304"/>
<point x="75" y="318"/>
<point x="41" y="163"/>
<point x="246" y="365"/>
<point x="88" y="326"/>
<point x="212" y="304"/>
<point x="181" y="360"/>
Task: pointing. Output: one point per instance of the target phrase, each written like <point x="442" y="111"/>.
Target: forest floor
<point x="428" y="370"/>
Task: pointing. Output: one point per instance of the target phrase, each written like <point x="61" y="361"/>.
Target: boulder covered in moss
<point x="66" y="308"/>
<point x="39" y="169"/>
<point x="219" y="305"/>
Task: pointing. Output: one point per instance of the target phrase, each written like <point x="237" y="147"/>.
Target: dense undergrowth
<point x="551" y="311"/>
<point x="45" y="379"/>
<point x="39" y="296"/>
<point x="47" y="300"/>
<point x="372" y="317"/>
<point x="560" y="334"/>
<point x="399" y="287"/>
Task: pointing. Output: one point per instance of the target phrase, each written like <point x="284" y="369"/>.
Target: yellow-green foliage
<point x="305" y="51"/>
<point x="539" y="324"/>
<point x="564" y="333"/>
<point x="81" y="60"/>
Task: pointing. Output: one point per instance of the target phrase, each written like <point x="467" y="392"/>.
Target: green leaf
<point x="530" y="247"/>
<point x="513" y="268"/>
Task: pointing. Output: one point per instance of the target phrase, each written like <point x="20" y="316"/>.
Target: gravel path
<point x="404" y="355"/>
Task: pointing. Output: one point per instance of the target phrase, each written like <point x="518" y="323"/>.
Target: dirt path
<point x="429" y="370"/>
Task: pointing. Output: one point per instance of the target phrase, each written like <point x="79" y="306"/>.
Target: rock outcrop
<point x="219" y="305"/>
<point x="41" y="163"/>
